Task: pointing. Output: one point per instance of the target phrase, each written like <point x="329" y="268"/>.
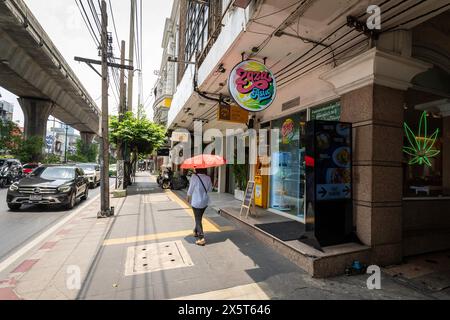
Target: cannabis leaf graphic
<point x="421" y="146"/>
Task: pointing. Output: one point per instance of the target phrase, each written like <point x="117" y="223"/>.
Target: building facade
<point x="387" y="75"/>
<point x="6" y="111"/>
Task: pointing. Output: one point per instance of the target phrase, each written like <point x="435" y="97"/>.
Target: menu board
<point x="249" y="194"/>
<point x="333" y="161"/>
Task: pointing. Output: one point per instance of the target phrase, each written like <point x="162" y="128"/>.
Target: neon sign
<point x="252" y="85"/>
<point x="421" y="147"/>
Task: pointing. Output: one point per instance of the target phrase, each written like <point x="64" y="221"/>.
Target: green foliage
<point x="240" y="172"/>
<point x="51" y="159"/>
<point x="139" y="133"/>
<point x="86" y="152"/>
<point x="77" y="158"/>
<point x="30" y="150"/>
<point x="8" y="141"/>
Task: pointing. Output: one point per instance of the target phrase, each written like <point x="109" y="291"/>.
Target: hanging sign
<point x="232" y="114"/>
<point x="252" y="85"/>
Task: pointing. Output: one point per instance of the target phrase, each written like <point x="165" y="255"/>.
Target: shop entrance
<point x="287" y="183"/>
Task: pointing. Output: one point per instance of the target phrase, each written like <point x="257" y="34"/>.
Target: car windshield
<point x="55" y="173"/>
<point x="30" y="166"/>
<point x="2" y="162"/>
<point x="88" y="167"/>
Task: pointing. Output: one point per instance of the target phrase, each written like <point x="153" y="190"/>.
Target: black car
<point x="10" y="171"/>
<point x="50" y="185"/>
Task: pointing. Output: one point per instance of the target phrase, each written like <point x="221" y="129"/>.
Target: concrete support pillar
<point x="372" y="87"/>
<point x="36" y="113"/>
<point x="377" y="116"/>
<point x="87" y="137"/>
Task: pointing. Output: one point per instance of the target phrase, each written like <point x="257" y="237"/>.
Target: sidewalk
<point x="146" y="252"/>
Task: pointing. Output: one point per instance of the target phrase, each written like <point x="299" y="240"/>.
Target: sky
<point x="62" y="21"/>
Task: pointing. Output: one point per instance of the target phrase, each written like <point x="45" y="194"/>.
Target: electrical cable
<point x="274" y="13"/>
<point x="90" y="29"/>
<point x="287" y="72"/>
<point x="283" y="70"/>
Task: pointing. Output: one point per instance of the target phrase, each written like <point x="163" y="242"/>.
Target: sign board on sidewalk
<point x="248" y="201"/>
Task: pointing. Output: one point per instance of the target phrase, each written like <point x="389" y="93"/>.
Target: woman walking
<point x="199" y="187"/>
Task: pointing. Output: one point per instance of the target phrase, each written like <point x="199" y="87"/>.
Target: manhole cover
<point x="156" y="257"/>
<point x="151" y="198"/>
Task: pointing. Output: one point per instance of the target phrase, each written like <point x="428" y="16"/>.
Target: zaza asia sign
<point x="252" y="85"/>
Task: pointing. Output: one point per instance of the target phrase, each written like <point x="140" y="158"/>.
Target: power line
<point x="87" y="23"/>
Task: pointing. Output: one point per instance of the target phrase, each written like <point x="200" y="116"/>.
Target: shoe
<point x="194" y="234"/>
<point x="200" y="242"/>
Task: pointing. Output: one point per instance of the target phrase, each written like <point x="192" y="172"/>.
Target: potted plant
<point x="241" y="177"/>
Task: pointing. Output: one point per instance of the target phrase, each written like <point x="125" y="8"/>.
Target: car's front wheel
<point x="72" y="200"/>
<point x="14" y="206"/>
<point x="86" y="194"/>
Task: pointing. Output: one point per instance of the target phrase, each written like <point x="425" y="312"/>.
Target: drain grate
<point x="156" y="257"/>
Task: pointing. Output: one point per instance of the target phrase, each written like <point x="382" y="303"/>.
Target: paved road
<point x="17" y="228"/>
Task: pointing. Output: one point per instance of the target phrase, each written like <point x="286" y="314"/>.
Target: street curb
<point x="47" y="241"/>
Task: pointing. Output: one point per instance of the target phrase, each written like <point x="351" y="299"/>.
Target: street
<point x="17" y="228"/>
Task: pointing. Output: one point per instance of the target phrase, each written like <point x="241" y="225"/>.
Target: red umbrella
<point x="203" y="161"/>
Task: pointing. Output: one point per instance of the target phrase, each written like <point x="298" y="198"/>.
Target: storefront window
<point x="287" y="186"/>
<point x="422" y="154"/>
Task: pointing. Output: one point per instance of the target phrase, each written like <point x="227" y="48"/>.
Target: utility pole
<point x="65" y="145"/>
<point x="105" y="210"/>
<point x="120" y="177"/>
<point x="131" y="55"/>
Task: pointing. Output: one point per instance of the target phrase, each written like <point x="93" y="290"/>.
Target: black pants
<point x="198" y="213"/>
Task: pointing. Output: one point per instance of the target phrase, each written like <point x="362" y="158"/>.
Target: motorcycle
<point x="168" y="180"/>
<point x="9" y="175"/>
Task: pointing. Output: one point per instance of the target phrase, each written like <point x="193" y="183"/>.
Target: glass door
<point x="287" y="185"/>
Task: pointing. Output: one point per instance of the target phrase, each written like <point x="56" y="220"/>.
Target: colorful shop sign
<point x="252" y="85"/>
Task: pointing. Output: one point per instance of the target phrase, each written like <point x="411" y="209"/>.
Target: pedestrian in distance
<point x="198" y="197"/>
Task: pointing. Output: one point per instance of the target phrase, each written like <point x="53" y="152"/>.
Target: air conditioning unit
<point x="242" y="3"/>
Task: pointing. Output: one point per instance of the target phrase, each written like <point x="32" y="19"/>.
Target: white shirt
<point x="200" y="198"/>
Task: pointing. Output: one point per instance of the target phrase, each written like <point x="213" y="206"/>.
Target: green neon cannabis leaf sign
<point x="421" y="146"/>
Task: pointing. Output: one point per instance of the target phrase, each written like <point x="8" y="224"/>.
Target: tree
<point x="139" y="134"/>
<point x="86" y="152"/>
<point x="8" y="136"/>
<point x="30" y="150"/>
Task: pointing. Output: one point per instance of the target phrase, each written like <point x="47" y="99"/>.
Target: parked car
<point x="113" y="170"/>
<point x="49" y="185"/>
<point x="29" y="167"/>
<point x="92" y="172"/>
<point x="10" y="172"/>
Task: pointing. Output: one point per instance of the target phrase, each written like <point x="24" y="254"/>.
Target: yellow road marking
<point x="208" y="226"/>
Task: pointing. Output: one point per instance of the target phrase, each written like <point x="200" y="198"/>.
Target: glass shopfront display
<point x="423" y="154"/>
<point x="287" y="183"/>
